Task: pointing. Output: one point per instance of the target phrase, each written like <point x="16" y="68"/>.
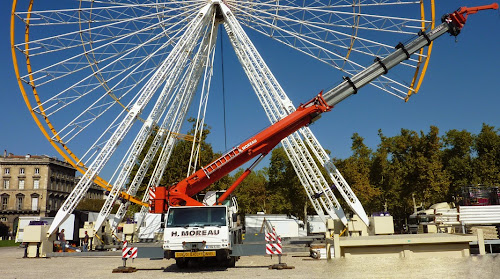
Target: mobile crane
<point x="218" y="232"/>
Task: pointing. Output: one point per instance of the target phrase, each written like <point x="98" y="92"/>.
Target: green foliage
<point x="487" y="162"/>
<point x="8" y="243"/>
<point x="409" y="164"/>
<point x="457" y="158"/>
<point x="356" y="170"/>
<point x="425" y="166"/>
<point x="251" y="193"/>
<point x="422" y="165"/>
<point x="285" y="193"/>
<point x="177" y="166"/>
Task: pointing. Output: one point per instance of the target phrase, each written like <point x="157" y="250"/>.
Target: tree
<point x="432" y="180"/>
<point x="285" y="193"/>
<point x="457" y="159"/>
<point x="410" y="164"/>
<point x="381" y="176"/>
<point x="177" y="166"/>
<point x="487" y="163"/>
<point x="251" y="193"/>
<point x="394" y="162"/>
<point x="356" y="171"/>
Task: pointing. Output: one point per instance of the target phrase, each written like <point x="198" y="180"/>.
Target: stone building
<point x="35" y="186"/>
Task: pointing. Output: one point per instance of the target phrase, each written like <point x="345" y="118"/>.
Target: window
<point x="6" y="171"/>
<point x="196" y="216"/>
<point x="34" y="202"/>
<point x="21" y="184"/>
<point x="3" y="219"/>
<point x="5" y="201"/>
<point x="21" y="171"/>
<point x="6" y="184"/>
<point x="36" y="184"/>
<point x="37" y="170"/>
<point x="19" y="201"/>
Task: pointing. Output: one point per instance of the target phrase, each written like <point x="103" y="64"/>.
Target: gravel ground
<point x="14" y="266"/>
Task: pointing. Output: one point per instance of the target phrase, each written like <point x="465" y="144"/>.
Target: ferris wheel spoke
<point x="209" y="45"/>
<point x="317" y="31"/>
<point x="343" y="36"/>
<point x="174" y="117"/>
<point x="131" y="69"/>
<point x="82" y="58"/>
<point x="102" y="140"/>
<point x="79" y="124"/>
<point x="114" y="89"/>
<point x="71" y="39"/>
<point x="351" y="66"/>
<point x="332" y="16"/>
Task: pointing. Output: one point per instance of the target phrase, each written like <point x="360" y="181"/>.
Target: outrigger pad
<point x="281" y="266"/>
<point x="124" y="269"/>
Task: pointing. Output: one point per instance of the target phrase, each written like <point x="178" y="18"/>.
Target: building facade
<point x="35" y="186"/>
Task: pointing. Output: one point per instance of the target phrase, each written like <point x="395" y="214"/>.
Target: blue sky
<point x="461" y="91"/>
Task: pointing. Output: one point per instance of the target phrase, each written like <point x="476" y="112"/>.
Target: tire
<point x="231" y="262"/>
<point x="182" y="263"/>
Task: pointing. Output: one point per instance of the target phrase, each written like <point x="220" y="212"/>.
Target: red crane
<point x="263" y="142"/>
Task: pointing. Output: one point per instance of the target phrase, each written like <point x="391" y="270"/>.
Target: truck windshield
<point x="196" y="216"/>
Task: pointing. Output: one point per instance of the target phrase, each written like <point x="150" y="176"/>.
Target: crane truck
<point x="195" y="229"/>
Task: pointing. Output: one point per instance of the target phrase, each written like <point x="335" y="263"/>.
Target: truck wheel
<point x="231" y="262"/>
<point x="181" y="263"/>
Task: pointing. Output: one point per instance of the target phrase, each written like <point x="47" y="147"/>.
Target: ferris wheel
<point x="99" y="77"/>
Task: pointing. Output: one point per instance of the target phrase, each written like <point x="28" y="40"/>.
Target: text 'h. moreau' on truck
<point x="202" y="232"/>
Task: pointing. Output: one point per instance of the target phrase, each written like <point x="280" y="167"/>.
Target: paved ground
<point x="14" y="266"/>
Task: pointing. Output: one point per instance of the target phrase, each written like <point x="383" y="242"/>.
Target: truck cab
<point x="201" y="233"/>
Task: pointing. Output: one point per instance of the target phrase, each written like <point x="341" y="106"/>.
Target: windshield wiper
<point x="214" y="225"/>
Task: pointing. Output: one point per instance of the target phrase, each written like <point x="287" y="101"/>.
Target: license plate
<point x="195" y="254"/>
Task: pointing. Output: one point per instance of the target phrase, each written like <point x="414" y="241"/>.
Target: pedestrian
<point x="86" y="242"/>
<point x="62" y="240"/>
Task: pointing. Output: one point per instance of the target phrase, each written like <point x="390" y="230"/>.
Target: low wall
<point x="409" y="245"/>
